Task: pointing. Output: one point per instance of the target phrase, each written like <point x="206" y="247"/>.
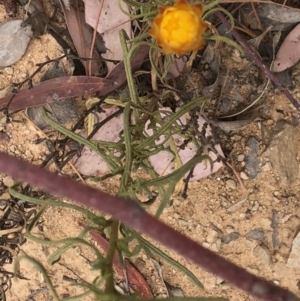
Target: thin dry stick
<point x="47" y="137"/>
<point x="131" y="214"/>
<point x="237" y="176"/>
<point x="94" y="35"/>
<point x="83" y="50"/>
<point x="253" y="55"/>
<point x="256" y="15"/>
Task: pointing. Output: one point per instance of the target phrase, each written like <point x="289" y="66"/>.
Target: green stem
<point x="128" y="152"/>
<point x="108" y="270"/>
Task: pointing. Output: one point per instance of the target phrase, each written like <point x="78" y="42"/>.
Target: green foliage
<point x="134" y="149"/>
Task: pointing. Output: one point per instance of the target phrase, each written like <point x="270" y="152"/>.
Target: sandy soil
<point x="215" y="208"/>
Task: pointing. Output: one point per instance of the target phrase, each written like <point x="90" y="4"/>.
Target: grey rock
<point x="256" y="234"/>
<point x="294" y="257"/>
<point x="275" y="227"/>
<point x="62" y="111"/>
<point x="263" y="255"/>
<point x="282" y="153"/>
<point x="227" y="238"/>
<point x="252" y="160"/>
<point x="15" y="38"/>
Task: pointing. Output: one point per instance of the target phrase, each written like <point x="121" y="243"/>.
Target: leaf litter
<point x="47" y="95"/>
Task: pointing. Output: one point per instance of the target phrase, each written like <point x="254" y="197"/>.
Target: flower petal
<point x="178" y="29"/>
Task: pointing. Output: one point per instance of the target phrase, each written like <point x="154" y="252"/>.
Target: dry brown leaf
<point x="82" y="36"/>
<point x="135" y="279"/>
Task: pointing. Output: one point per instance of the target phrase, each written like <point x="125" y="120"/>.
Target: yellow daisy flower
<point x="178" y="29"/>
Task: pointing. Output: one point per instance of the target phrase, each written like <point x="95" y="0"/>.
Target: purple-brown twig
<point x="131" y="214"/>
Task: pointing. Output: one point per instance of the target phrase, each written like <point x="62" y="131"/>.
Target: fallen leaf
<point x="177" y="66"/>
<point x="111" y="21"/>
<point x="62" y="111"/>
<point x="81" y="85"/>
<point x="54" y="89"/>
<point x="163" y="162"/>
<point x="135" y="279"/>
<point x="289" y="52"/>
<point x="91" y="164"/>
<point x="82" y="36"/>
<point x="281" y="17"/>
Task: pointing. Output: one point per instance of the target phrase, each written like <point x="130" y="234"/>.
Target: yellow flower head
<point x="178" y="29"/>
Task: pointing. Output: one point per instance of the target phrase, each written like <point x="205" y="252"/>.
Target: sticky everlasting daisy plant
<point x="178" y="29"/>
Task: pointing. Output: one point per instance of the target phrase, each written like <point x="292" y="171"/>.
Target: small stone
<point x="231" y="184"/>
<point x="237" y="205"/>
<point x="253" y="270"/>
<point x="229" y="229"/>
<point x="8" y="181"/>
<point x="236" y="138"/>
<point x="252" y="160"/>
<point x="255" y="207"/>
<point x="206" y="245"/>
<point x="12" y="148"/>
<point x="266" y="167"/>
<point x="263" y="255"/>
<point x="182" y="222"/>
<point x="244" y="176"/>
<point x="225" y="287"/>
<point x="276" y="200"/>
<point x="276" y="193"/>
<point x="252" y="197"/>
<point x="223" y="200"/>
<point x="268" y="122"/>
<point x="177" y="215"/>
<point x="9" y="70"/>
<point x="241" y="157"/>
<point x="236" y="56"/>
<point x="216" y="246"/>
<point x="28" y="153"/>
<point x="286" y="218"/>
<point x="210" y="283"/>
<point x="77" y="251"/>
<point x="212" y="236"/>
<point x="256" y="234"/>
<point x="227" y="238"/>
<point x="276" y="282"/>
<point x="4" y="138"/>
<point x="219" y="280"/>
<point x="5" y="196"/>
<point x="294" y="257"/>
